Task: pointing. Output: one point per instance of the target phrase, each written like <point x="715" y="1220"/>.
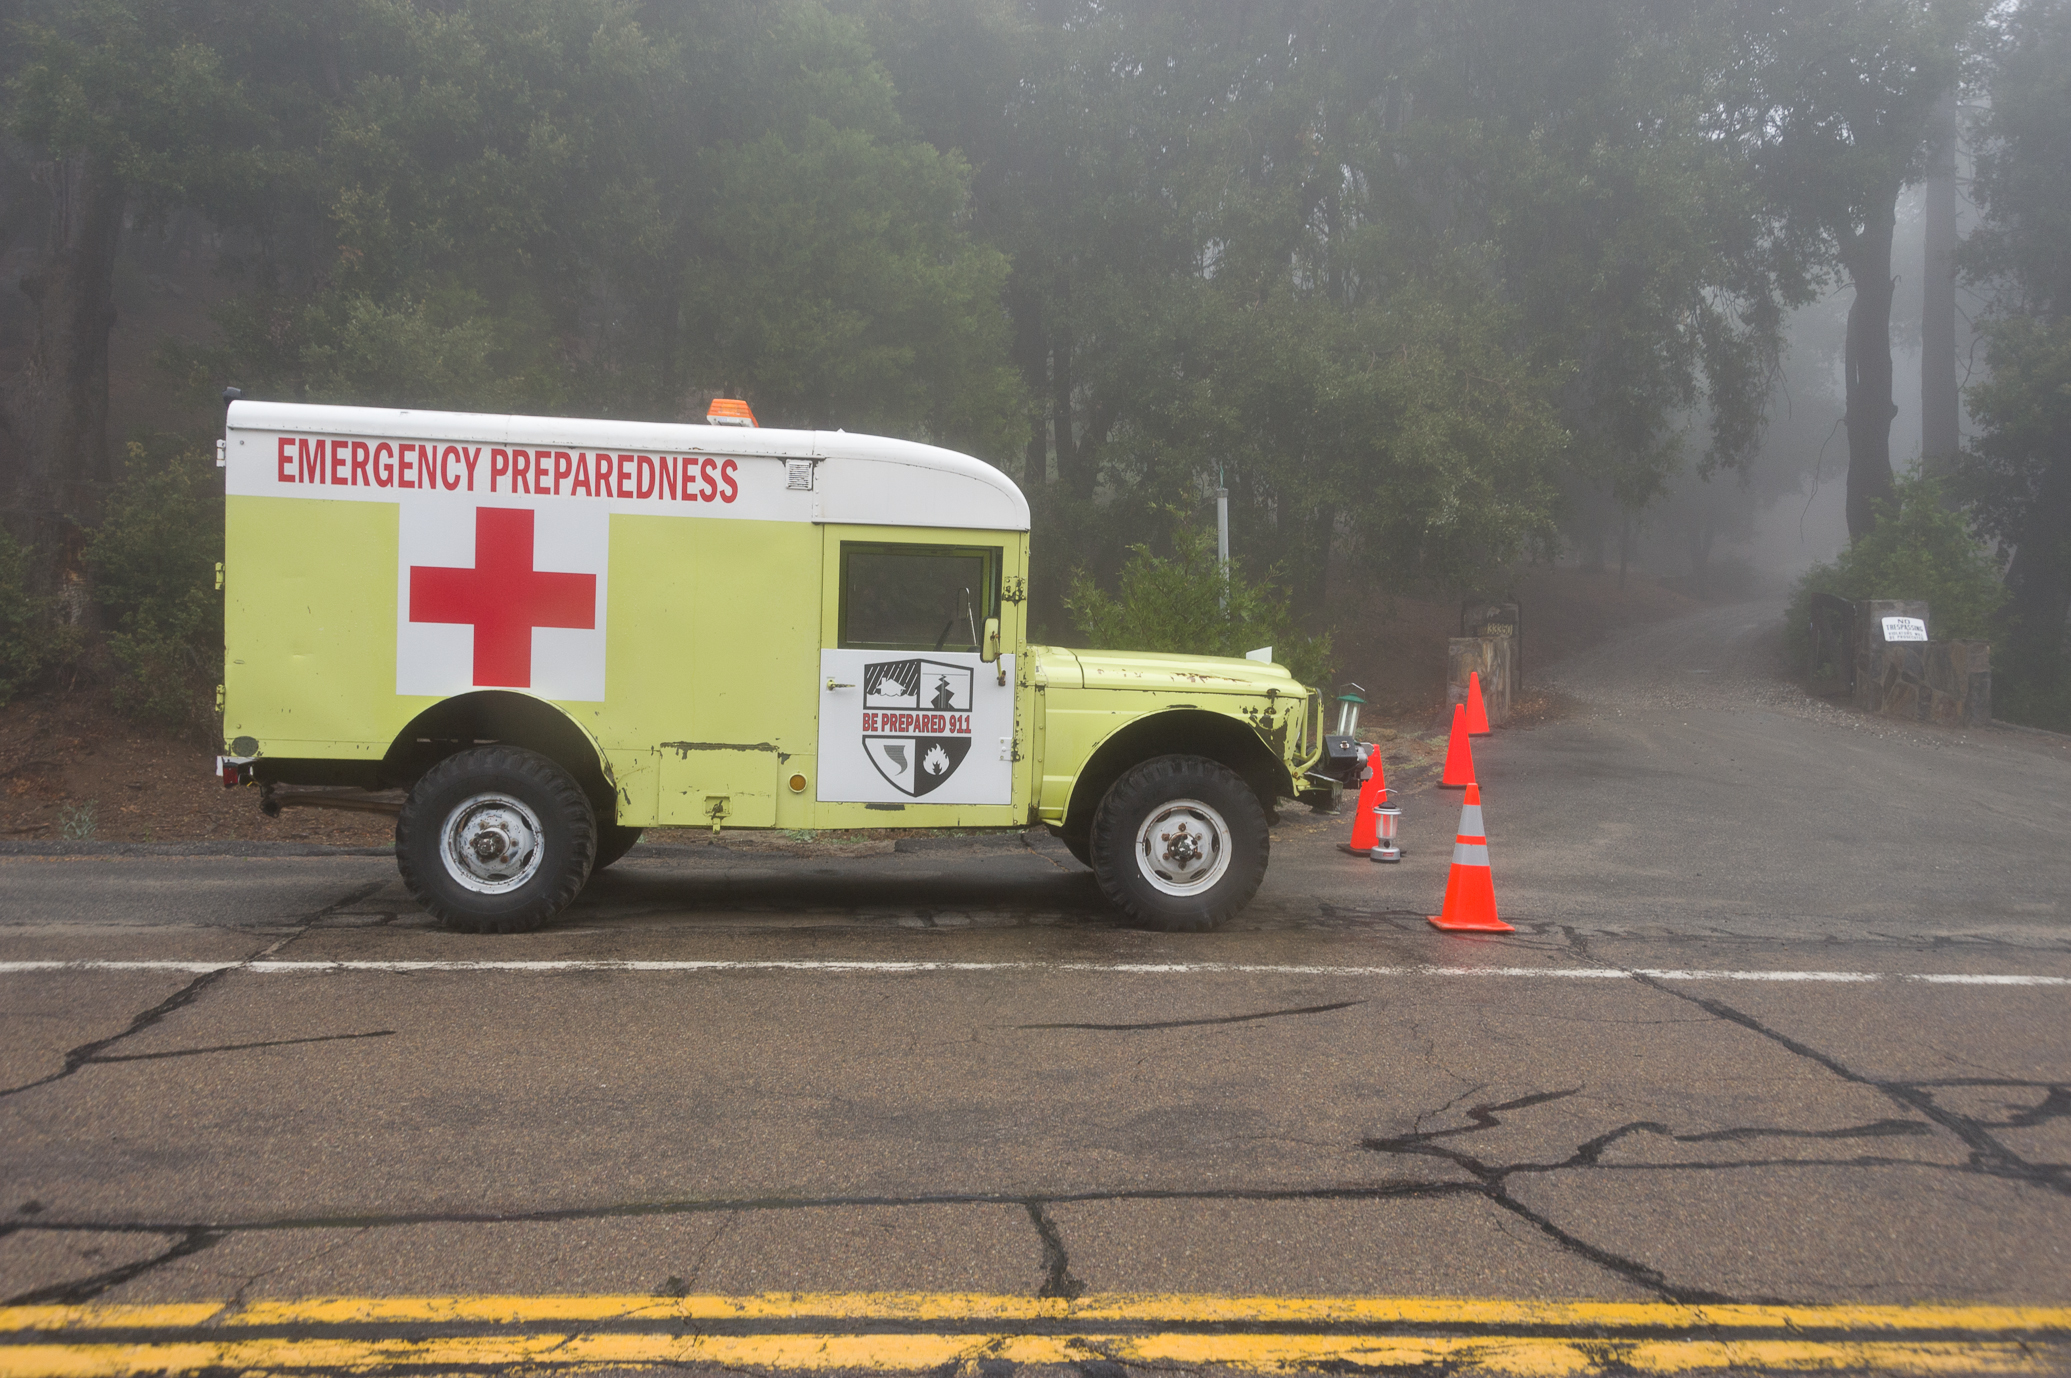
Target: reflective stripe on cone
<point x="1470" y="888"/>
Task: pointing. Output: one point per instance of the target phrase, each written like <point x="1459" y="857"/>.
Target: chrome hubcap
<point x="1183" y="847"/>
<point x="492" y="844"/>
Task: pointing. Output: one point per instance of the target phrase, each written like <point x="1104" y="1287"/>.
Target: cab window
<point x="917" y="597"/>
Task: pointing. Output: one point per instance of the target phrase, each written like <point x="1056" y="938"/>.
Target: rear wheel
<point x="496" y="840"/>
<point x="613" y="842"/>
<point x="1180" y="843"/>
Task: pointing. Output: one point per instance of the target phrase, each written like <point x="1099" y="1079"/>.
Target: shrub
<point x="21" y="619"/>
<point x="154" y="567"/>
<point x="35" y="642"/>
<point x="1921" y="548"/>
<point x="1175" y="605"/>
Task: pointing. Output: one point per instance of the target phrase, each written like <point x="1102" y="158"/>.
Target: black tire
<point x="1201" y="886"/>
<point x="535" y="840"/>
<point x="613" y="842"/>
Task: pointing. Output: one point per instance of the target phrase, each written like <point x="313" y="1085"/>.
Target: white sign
<point x="492" y="597"/>
<point x="1905" y="629"/>
<point x="934" y="727"/>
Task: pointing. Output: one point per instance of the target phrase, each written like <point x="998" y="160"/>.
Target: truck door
<point x="742" y="708"/>
<point x="916" y="682"/>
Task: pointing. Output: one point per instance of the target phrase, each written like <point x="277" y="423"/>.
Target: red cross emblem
<point x="503" y="596"/>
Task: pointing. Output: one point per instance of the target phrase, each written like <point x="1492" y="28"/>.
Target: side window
<point x="917" y="597"/>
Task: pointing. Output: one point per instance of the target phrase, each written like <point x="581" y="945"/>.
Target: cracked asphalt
<point x="1708" y="1068"/>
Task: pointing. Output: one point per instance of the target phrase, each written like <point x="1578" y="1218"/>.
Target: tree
<point x="2018" y="472"/>
<point x="1833" y="100"/>
<point x="116" y="101"/>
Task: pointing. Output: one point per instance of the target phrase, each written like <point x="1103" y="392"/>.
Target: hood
<point x="1165" y="673"/>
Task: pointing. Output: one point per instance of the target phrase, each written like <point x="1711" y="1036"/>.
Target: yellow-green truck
<point x="551" y="633"/>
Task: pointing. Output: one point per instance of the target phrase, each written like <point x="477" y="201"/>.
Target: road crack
<point x="1057" y="1278"/>
<point x="1200" y="1023"/>
<point x="87" y="1054"/>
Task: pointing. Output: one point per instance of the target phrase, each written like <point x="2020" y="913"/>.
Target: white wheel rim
<point x="1183" y="847"/>
<point x="492" y="844"/>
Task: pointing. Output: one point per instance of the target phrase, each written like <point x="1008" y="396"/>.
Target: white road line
<point x="837" y="966"/>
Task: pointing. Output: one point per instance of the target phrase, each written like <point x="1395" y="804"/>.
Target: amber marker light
<point x="798" y="784"/>
<point x="729" y="411"/>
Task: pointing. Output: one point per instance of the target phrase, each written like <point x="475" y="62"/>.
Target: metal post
<point x="1222" y="542"/>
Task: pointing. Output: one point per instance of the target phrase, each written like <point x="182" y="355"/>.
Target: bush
<point x="35" y="642"/>
<point x="21" y="621"/>
<point x="1175" y="605"/>
<point x="154" y="567"/>
<point x="1921" y="548"/>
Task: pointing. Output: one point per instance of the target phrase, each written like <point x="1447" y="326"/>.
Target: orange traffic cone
<point x="1477" y="711"/>
<point x="1459" y="757"/>
<point x="1365" y="826"/>
<point x="1470" y="890"/>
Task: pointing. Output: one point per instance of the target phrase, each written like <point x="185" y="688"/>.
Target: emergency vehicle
<point x="549" y="634"/>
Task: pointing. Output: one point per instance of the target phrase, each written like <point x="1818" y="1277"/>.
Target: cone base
<point x="1445" y="925"/>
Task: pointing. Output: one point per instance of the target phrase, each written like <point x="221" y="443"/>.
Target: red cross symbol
<point x="503" y="596"/>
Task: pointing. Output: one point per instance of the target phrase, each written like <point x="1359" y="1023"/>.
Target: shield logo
<point x="919" y="761"/>
<point x="916" y="765"/>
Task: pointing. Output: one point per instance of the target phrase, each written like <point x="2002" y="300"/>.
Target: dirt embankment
<point x="70" y="768"/>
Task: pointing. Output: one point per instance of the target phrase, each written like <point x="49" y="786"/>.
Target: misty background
<point x="1440" y="293"/>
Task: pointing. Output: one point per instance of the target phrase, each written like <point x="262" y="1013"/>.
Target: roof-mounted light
<point x="728" y="411"/>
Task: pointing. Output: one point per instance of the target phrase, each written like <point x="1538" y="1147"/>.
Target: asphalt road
<point x="1787" y="1023"/>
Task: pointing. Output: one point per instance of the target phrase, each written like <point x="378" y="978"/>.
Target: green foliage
<point x="1175" y="604"/>
<point x="1921" y="548"/>
<point x="23" y="620"/>
<point x="76" y="823"/>
<point x="153" y="561"/>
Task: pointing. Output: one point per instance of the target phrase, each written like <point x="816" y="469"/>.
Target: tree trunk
<point x="60" y="405"/>
<point x="1064" y="437"/>
<point x="1939" y="439"/>
<point x="1312" y="569"/>
<point x="1706" y="532"/>
<point x="2038" y="581"/>
<point x="1868" y="357"/>
<point x="1032" y="354"/>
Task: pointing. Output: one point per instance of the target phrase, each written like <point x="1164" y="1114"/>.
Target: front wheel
<point x="496" y="840"/>
<point x="1180" y="843"/>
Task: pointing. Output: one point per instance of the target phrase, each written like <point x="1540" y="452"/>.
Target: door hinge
<point x="1013" y="588"/>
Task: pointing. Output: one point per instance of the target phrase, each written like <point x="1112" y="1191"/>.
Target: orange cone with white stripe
<point x="1365" y="826"/>
<point x="1477" y="711"/>
<point x="1470" y="891"/>
<point x="1459" y="757"/>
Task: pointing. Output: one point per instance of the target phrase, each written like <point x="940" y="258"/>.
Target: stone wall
<point x="1947" y="682"/>
<point x="1491" y="656"/>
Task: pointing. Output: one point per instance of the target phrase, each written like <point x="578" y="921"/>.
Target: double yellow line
<point x="907" y="1332"/>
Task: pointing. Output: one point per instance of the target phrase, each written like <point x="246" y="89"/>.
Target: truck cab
<point x="549" y="634"/>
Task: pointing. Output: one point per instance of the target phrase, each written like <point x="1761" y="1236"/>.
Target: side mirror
<point x="989" y="647"/>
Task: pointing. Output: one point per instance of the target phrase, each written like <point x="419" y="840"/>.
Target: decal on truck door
<point x="922" y="710"/>
<point x="501" y="597"/>
<point x="894" y="728"/>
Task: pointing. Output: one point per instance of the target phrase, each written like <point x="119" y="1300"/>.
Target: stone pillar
<point x="1491" y="656"/>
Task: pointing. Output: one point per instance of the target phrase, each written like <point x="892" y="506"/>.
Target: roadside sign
<point x="1905" y="629"/>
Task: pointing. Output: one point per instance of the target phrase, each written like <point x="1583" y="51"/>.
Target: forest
<point x="1430" y="287"/>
